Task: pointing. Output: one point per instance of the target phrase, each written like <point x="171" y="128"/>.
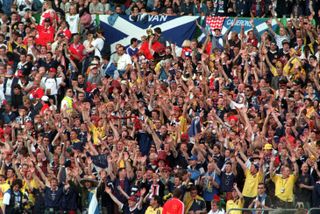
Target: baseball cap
<point x="193" y="158"/>
<point x="52" y="69"/>
<point x="267" y="146"/>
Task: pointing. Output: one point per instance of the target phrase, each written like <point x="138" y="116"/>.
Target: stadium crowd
<point x="231" y="122"/>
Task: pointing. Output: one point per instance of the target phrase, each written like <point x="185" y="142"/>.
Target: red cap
<point x="132" y="198"/>
<point x="52" y="69"/>
<point x="216" y="198"/>
<point x="233" y="117"/>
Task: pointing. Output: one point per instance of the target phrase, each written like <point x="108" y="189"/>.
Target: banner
<point x="259" y="23"/>
<point x="175" y="29"/>
<point x="121" y="29"/>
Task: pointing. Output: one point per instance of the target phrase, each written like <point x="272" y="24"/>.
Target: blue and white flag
<point x="121" y="29"/>
<point x="259" y="23"/>
<point x="93" y="205"/>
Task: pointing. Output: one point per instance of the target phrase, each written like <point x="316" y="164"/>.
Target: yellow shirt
<point x="183" y="124"/>
<point x="289" y="69"/>
<point x="97" y="132"/>
<point x="284" y="187"/>
<point x="3" y="188"/>
<point x="25" y="188"/>
<point x="274" y="71"/>
<point x="310" y="111"/>
<point x="234" y="204"/>
<point x="250" y="188"/>
<point x="151" y="210"/>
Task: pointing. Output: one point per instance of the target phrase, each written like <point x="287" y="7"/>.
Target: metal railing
<point x="314" y="209"/>
<point x="270" y="210"/>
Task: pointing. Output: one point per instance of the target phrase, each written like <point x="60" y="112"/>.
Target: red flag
<point x="215" y="22"/>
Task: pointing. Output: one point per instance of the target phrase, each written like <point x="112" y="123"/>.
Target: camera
<point x="110" y="184"/>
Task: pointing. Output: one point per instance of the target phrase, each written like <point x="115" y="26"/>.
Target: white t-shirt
<point x="6" y="198"/>
<point x="52" y="84"/>
<point x="2" y="97"/>
<point x="123" y="61"/>
<point x="8" y="87"/>
<point x="98" y="45"/>
<point x="279" y="40"/>
<point x="73" y="21"/>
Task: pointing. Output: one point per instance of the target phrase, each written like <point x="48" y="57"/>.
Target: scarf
<point x="262" y="200"/>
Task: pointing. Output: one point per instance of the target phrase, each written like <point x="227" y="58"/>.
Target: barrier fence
<point x="314" y="210"/>
<point x="272" y="211"/>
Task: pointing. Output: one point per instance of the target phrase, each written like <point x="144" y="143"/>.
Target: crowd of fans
<point x="233" y="122"/>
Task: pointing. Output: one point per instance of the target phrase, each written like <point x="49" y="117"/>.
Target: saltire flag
<point x="93" y="205"/>
<point x="215" y="22"/>
<point x="121" y="29"/>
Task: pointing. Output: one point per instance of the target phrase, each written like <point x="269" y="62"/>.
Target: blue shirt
<point x="52" y="199"/>
<point x="209" y="190"/>
<point x="132" y="51"/>
<point x="195" y="173"/>
<point x="145" y="141"/>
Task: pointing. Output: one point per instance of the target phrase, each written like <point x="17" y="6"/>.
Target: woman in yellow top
<point x="284" y="183"/>
<point x="236" y="203"/>
<point x="4" y="186"/>
<point x="154" y="207"/>
<point x="98" y="129"/>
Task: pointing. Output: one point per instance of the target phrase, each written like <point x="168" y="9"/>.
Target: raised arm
<point x="269" y="23"/>
<point x="238" y="191"/>
<point x="114" y="198"/>
<point x="295" y="165"/>
<point x="42" y="175"/>
<point x="242" y="164"/>
<point x="271" y="168"/>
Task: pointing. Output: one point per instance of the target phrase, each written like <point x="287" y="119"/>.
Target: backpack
<point x="105" y="49"/>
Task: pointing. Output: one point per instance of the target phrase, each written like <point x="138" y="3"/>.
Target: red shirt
<point x="173" y="206"/>
<point x="77" y="50"/>
<point x="51" y="14"/>
<point x="156" y="46"/>
<point x="208" y="48"/>
<point x="25" y="40"/>
<point x="37" y="92"/>
<point x="45" y="35"/>
<point x="44" y="108"/>
<point x="67" y="33"/>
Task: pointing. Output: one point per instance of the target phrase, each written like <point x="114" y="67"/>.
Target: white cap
<point x="45" y="98"/>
